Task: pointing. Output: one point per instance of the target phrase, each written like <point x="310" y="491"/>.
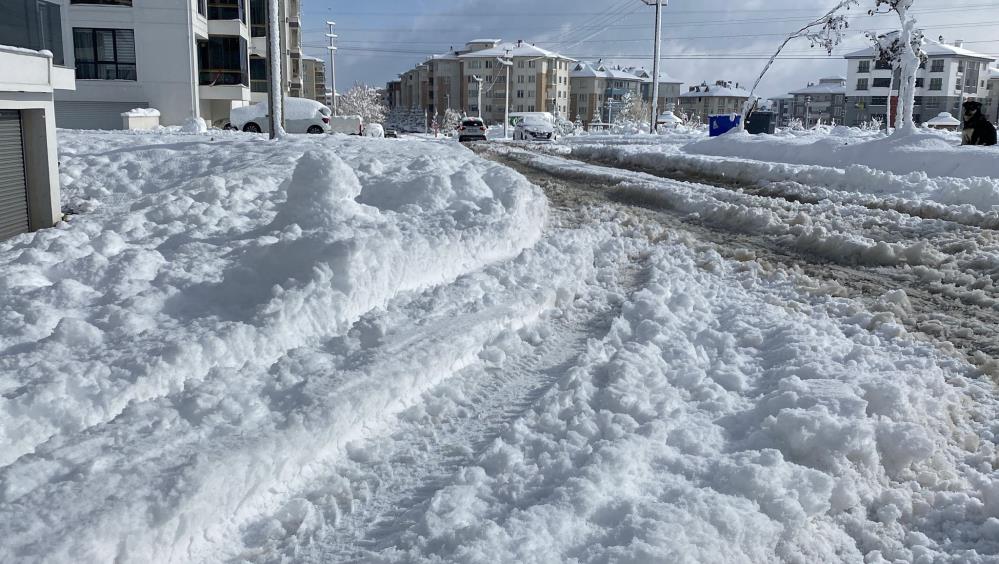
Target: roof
<point x="994" y="74"/>
<point x="932" y="49"/>
<point x="944" y="118"/>
<point x="833" y="78"/>
<point x="782" y="97"/>
<point x="716" y="90"/>
<point x="493" y="41"/>
<point x="646" y="76"/>
<point x="827" y="88"/>
<point x="449" y="56"/>
<point x="519" y="49"/>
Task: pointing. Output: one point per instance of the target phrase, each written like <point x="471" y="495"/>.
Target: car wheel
<point x="251" y="128"/>
<point x="314" y="130"/>
<point x="229" y="127"/>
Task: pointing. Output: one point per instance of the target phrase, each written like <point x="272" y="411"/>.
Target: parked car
<point x="392" y="133"/>
<point x="300" y="116"/>
<point x="533" y="128"/>
<point x="374" y="130"/>
<point x="348" y="125"/>
<point x="471" y="129"/>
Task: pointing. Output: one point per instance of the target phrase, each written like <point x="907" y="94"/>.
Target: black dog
<point x="977" y="129"/>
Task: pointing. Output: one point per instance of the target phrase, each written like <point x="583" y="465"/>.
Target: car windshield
<point x="472" y="123"/>
<point x="534" y="121"/>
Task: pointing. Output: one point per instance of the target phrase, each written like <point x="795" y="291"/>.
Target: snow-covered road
<point x="398" y="351"/>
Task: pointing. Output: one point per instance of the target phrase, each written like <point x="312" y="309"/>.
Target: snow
<point x="294" y="109"/>
<point x="141" y="112"/>
<point x="944" y="118"/>
<point x="930" y="47"/>
<point x="234" y="348"/>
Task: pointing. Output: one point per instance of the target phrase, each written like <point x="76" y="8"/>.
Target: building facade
<point x="782" y="107"/>
<point x="598" y="92"/>
<point x="31" y="71"/>
<point x="216" y="60"/>
<point x="992" y="91"/>
<point x="314" y="79"/>
<point x="951" y="75"/>
<point x="820" y="103"/>
<point x="722" y="97"/>
<point x="669" y="88"/>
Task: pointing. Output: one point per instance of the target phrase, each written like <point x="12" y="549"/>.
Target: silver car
<point x="533" y="128"/>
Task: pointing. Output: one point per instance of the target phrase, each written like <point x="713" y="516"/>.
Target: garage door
<point x="93" y="115"/>
<point x="13" y="188"/>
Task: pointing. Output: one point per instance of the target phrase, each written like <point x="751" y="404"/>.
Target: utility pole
<point x="657" y="50"/>
<point x="332" y="49"/>
<point x="478" y="79"/>
<point x="508" y="63"/>
<point x="808" y="111"/>
<point x="273" y="91"/>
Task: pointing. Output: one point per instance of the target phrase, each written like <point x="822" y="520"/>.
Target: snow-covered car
<point x="471" y="129"/>
<point x="374" y="130"/>
<point x="300" y="116"/>
<point x="533" y="128"/>
<point x="348" y="125"/>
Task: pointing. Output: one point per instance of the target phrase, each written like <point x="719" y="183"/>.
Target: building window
<point x="879" y="100"/>
<point x="937" y="65"/>
<point x="530" y="108"/>
<point x="861" y="84"/>
<point x="520" y="79"/>
<point x="520" y="93"/>
<point x="881" y="83"/>
<point x="258" y="18"/>
<point x="226" y="10"/>
<point x="258" y="74"/>
<point x="882" y="65"/>
<point x="918" y="101"/>
<point x="108" y="2"/>
<point x="104" y="54"/>
<point x="32" y="24"/>
<point x="222" y="61"/>
<point x="530" y="79"/>
<point x="919" y="83"/>
<point x="936" y="84"/>
<point x="864" y="66"/>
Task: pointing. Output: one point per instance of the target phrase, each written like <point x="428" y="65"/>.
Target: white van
<point x="349" y="125"/>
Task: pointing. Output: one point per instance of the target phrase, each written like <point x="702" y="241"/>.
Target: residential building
<point x="539" y="78"/>
<point x="951" y="75"/>
<point x="31" y="70"/>
<point x="184" y="58"/>
<point x="992" y="91"/>
<point x="314" y="79"/>
<point x="822" y="102"/>
<point x="393" y="94"/>
<point x="597" y="91"/>
<point x="669" y="88"/>
<point x="722" y="97"/>
<point x="782" y="107"/>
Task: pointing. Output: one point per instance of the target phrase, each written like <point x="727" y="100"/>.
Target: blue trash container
<point x="722" y="123"/>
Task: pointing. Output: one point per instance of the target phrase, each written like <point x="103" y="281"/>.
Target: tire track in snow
<point x="957" y="313"/>
<point x="392" y="478"/>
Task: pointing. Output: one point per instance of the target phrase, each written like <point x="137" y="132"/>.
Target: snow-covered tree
<point x="450" y="121"/>
<point x="633" y="109"/>
<point x="902" y="50"/>
<point x="365" y="101"/>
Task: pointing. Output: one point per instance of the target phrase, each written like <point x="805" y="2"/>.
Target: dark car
<point x="392" y="133"/>
<point x="471" y="129"/>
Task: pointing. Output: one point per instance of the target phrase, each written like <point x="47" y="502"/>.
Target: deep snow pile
<point x="931" y="152"/>
<point x="727" y="418"/>
<point x="137" y="340"/>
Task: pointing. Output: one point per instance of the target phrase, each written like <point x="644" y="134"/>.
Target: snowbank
<point x="141" y="339"/>
<point x="930" y="152"/>
<point x="141" y="112"/>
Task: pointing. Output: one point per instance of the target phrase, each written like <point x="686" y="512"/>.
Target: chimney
<point x="520" y="43"/>
<point x="958" y="43"/>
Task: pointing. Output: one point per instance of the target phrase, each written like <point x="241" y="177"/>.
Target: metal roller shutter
<point x="13" y="186"/>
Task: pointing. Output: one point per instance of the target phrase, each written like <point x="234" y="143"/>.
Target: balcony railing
<point x="223" y="77"/>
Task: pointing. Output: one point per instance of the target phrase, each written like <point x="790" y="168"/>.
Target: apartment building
<point x="314" y="79"/>
<point x="539" y="79"/>
<point x="782" y="107"/>
<point x="597" y="91"/>
<point x="951" y="75"/>
<point x="823" y="102"/>
<point x="669" y="88"/>
<point x="183" y="57"/>
<point x="722" y="97"/>
<point x="992" y="91"/>
<point x="31" y="71"/>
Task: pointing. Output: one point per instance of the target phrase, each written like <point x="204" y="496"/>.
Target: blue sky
<point x="706" y="40"/>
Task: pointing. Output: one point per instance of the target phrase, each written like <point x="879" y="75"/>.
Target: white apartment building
<point x="30" y="72"/>
<point x="951" y="75"/>
<point x="992" y="90"/>
<point x="722" y="97"/>
<point x="184" y="58"/>
<point x="314" y="79"/>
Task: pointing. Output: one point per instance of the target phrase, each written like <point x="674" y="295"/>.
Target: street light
<point x="655" y="60"/>
<point x="508" y="63"/>
<point x="332" y="49"/>
<point x="808" y="111"/>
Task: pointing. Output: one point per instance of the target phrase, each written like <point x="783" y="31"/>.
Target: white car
<point x="374" y="130"/>
<point x="300" y="116"/>
<point x="533" y="128"/>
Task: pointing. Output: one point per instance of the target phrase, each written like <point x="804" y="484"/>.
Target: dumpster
<point x="722" y="123"/>
<point x="761" y="122"/>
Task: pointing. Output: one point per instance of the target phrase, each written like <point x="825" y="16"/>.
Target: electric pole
<point x="332" y="49"/>
<point x="657" y="52"/>
<point x="478" y="79"/>
<point x="273" y="73"/>
<point x="508" y="63"/>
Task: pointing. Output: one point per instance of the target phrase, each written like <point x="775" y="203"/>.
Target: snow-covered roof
<point x="833" y="79"/>
<point x="449" y="56"/>
<point x="585" y="69"/>
<point x="493" y="41"/>
<point x="823" y="88"/>
<point x="931" y="47"/>
<point x="944" y="118"/>
<point x="783" y="97"/>
<point x="716" y="90"/>
<point x="994" y="74"/>
<point x="646" y="76"/>
<point x="518" y="49"/>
